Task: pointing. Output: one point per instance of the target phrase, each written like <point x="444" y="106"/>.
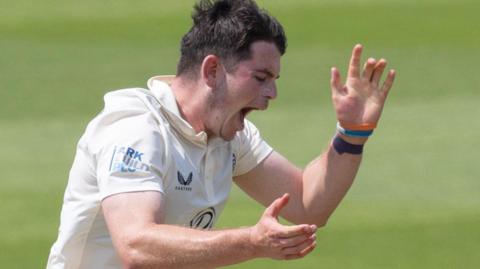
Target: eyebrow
<point x="266" y="71"/>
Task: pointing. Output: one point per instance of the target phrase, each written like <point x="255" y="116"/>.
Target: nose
<point x="270" y="91"/>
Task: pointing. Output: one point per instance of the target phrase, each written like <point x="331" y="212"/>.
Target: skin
<point x="217" y="103"/>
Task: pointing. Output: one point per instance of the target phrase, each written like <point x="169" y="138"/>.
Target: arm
<point x="318" y="189"/>
<point x="135" y="224"/>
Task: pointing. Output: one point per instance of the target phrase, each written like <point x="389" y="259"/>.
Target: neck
<point x="191" y="100"/>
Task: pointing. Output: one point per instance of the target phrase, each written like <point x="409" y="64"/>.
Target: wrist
<point x="355" y="134"/>
<point x="353" y="140"/>
<point x="251" y="242"/>
<point x="341" y="146"/>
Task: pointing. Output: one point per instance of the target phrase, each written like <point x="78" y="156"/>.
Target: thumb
<point x="276" y="206"/>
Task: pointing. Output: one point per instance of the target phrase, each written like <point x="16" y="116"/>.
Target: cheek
<point x="250" y="91"/>
<point x="243" y="92"/>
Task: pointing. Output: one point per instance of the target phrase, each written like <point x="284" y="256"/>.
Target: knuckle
<point x="282" y="243"/>
<point x="275" y="245"/>
<point x="272" y="232"/>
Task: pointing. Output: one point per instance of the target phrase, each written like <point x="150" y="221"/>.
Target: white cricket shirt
<point x="139" y="142"/>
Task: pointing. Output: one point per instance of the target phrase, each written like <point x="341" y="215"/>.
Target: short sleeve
<point x="130" y="154"/>
<point x="249" y="149"/>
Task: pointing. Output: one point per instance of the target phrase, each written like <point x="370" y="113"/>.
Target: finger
<point x="335" y="81"/>
<point x="292" y="231"/>
<point x="277" y="205"/>
<point x="298" y="248"/>
<point x="354" y="67"/>
<point x="296" y="240"/>
<point x="387" y="85"/>
<point x="302" y="253"/>
<point x="377" y="73"/>
<point x="368" y="68"/>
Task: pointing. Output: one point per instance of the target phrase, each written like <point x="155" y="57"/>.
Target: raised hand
<point x="361" y="99"/>
<point x="277" y="241"/>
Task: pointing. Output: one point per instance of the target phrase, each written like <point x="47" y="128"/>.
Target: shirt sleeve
<point x="130" y="154"/>
<point x="249" y="149"/>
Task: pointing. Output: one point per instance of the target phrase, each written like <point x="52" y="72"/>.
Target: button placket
<point x="209" y="174"/>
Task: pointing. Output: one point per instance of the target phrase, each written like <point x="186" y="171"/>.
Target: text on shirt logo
<point x="127" y="159"/>
<point x="183" y="182"/>
<point x="234" y="161"/>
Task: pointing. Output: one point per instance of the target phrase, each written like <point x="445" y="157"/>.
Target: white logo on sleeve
<point x="127" y="159"/>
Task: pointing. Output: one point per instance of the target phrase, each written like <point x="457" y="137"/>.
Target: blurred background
<point x="416" y="199"/>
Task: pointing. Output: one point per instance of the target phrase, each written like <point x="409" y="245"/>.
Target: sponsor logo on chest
<point x="234" y="161"/>
<point x="184" y="182"/>
<point x="204" y="219"/>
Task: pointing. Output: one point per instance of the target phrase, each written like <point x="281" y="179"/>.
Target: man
<point x="154" y="169"/>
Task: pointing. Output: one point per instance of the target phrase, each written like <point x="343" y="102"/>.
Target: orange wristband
<point x="359" y="127"/>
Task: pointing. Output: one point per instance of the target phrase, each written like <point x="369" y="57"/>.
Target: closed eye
<point x="260" y="79"/>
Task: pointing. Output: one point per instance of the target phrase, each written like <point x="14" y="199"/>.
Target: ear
<point x="209" y="70"/>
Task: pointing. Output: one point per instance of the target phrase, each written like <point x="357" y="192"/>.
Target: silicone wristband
<point x="353" y="133"/>
<point x="341" y="146"/>
<point x="360" y="127"/>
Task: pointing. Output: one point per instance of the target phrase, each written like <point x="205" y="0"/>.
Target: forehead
<point x="264" y="56"/>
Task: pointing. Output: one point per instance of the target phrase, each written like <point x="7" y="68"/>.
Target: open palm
<point x="361" y="99"/>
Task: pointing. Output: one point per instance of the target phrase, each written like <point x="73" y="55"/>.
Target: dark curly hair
<point x="227" y="28"/>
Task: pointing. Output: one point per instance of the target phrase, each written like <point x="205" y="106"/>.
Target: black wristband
<point x="342" y="146"/>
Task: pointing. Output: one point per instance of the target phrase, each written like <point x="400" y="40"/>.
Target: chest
<point x="197" y="182"/>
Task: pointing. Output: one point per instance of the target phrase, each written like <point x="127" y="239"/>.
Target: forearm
<point x="167" y="246"/>
<point x="326" y="180"/>
<point x="358" y="105"/>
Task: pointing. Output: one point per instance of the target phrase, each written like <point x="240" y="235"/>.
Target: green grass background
<point x="416" y="200"/>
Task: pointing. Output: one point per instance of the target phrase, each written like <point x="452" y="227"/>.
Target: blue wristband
<point x="342" y="146"/>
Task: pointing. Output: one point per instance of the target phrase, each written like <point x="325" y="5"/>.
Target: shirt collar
<point x="159" y="86"/>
